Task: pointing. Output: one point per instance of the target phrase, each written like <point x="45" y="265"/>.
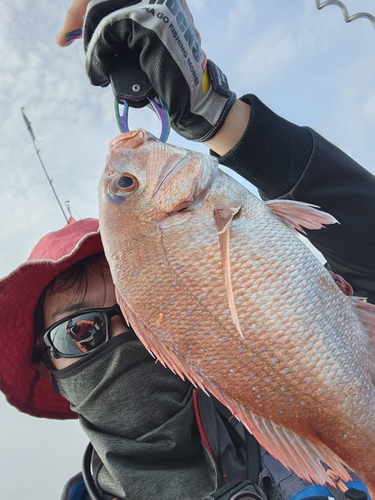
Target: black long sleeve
<point x="284" y="160"/>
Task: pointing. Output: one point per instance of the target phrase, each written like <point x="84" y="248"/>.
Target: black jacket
<point x="286" y="161"/>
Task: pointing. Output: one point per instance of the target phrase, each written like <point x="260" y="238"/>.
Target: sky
<point x="307" y="65"/>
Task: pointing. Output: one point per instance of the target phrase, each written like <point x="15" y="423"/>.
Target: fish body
<point x="221" y="291"/>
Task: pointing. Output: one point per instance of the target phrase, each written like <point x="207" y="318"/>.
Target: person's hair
<point x="75" y="279"/>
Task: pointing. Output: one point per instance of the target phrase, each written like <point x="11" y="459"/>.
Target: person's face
<point x="100" y="293"/>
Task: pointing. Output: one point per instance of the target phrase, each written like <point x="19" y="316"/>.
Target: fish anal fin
<point x="298" y="215"/>
<point x="224" y="213"/>
<point x="300" y="455"/>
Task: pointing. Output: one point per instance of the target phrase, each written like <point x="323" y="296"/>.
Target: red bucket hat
<point x="20" y="380"/>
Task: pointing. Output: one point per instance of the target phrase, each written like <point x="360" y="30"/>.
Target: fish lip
<point x="114" y="141"/>
<point x="133" y="139"/>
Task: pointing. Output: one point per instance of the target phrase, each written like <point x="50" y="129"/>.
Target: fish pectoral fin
<point x="224" y="213"/>
<point x="298" y="215"/>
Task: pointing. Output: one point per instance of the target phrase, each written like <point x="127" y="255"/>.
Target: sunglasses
<point x="80" y="333"/>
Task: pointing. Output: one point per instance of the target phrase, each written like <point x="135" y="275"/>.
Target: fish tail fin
<point x="298" y="215"/>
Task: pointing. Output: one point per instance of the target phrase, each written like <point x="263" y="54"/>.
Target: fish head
<point x="146" y="181"/>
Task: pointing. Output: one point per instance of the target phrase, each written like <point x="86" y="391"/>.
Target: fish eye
<point x="123" y="184"/>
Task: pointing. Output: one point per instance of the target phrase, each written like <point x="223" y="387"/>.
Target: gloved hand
<point x="163" y="35"/>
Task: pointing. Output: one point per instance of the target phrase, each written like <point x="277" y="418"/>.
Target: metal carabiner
<point x="132" y="88"/>
<point x="160" y="109"/>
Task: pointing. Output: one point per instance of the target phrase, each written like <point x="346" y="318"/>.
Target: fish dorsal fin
<point x="224" y="213"/>
<point x="296" y="453"/>
<point x="298" y="215"/>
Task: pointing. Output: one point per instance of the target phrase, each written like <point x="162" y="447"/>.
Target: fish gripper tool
<point x="133" y="89"/>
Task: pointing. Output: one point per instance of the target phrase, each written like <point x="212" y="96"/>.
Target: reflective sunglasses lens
<point x="80" y="334"/>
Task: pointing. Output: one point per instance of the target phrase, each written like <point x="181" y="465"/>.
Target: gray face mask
<point x="139" y="417"/>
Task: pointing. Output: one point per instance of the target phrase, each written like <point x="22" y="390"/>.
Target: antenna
<point x="29" y="128"/>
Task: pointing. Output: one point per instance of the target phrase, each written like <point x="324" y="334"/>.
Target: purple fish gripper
<point x="160" y="109"/>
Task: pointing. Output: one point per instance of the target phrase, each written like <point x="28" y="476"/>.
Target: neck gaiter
<point x="140" y="420"/>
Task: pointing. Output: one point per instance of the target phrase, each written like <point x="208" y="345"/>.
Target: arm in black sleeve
<point x="286" y="161"/>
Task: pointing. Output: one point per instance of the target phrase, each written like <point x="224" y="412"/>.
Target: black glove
<point x="167" y="45"/>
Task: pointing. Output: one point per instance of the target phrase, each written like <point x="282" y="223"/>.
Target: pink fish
<point x="218" y="286"/>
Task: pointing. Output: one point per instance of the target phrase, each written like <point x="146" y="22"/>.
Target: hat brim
<point x="20" y="379"/>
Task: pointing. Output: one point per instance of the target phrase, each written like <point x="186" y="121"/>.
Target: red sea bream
<point x="220" y="289"/>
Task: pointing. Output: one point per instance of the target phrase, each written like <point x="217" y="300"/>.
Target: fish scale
<point x="223" y="292"/>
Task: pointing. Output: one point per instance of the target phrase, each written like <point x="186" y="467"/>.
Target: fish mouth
<point x="133" y="139"/>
